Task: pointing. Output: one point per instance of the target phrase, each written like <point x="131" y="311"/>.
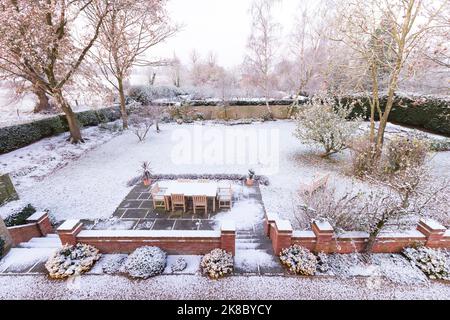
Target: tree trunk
<point x="74" y="127"/>
<point x="123" y="109"/>
<point x="43" y="104"/>
<point x="373" y="237"/>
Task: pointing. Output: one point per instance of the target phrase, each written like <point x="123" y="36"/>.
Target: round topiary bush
<point x="179" y="265"/>
<point x="217" y="264"/>
<point x="299" y="260"/>
<point x="72" y="260"/>
<point x="432" y="262"/>
<point x="145" y="262"/>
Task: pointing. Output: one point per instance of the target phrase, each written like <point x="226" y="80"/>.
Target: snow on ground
<point x="194" y="287"/>
<point x="391" y="266"/>
<point x="245" y="214"/>
<point x="246" y="259"/>
<point x="93" y="186"/>
<point x="21" y="258"/>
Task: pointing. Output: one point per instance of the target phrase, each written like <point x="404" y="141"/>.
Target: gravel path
<point x="197" y="287"/>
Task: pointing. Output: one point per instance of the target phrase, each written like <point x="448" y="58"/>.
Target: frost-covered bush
<point x="299" y="260"/>
<point x="363" y="156"/>
<point x="20" y="218"/>
<point x="146" y="94"/>
<point x="179" y="265"/>
<point x="114" y="264"/>
<point x="72" y="260"/>
<point x="433" y="262"/>
<point x="322" y="262"/>
<point x="217" y="264"/>
<point x="145" y="262"/>
<point x="2" y="247"/>
<point x="323" y="121"/>
<point x="405" y="152"/>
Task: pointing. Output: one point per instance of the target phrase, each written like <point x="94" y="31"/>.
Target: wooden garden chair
<point x="159" y="201"/>
<point x="178" y="200"/>
<point x="200" y="202"/>
<point x="225" y="197"/>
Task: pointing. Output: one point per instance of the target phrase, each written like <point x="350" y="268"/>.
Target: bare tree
<point x="128" y="32"/>
<point x="38" y="45"/>
<point x="385" y="34"/>
<point x="261" y="46"/>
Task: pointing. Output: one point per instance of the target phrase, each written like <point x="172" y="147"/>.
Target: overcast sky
<point x="221" y="26"/>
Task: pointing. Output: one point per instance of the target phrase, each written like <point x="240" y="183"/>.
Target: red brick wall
<point x="24" y="233"/>
<point x="189" y="246"/>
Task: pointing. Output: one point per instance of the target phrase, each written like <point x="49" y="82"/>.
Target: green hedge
<point x="21" y="135"/>
<point x="432" y="114"/>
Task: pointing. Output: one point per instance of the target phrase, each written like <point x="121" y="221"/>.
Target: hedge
<point x="429" y="113"/>
<point x="21" y="135"/>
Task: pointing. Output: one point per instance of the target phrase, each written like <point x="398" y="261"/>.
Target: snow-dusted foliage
<point x="326" y="122"/>
<point x="322" y="262"/>
<point x="145" y="262"/>
<point x="299" y="260"/>
<point x="72" y="261"/>
<point x="114" y="264"/>
<point x="217" y="264"/>
<point x="402" y="153"/>
<point x="179" y="265"/>
<point x="433" y="262"/>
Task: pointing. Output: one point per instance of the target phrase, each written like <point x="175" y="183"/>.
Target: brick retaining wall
<point x="38" y="225"/>
<point x="186" y="242"/>
<point x="323" y="239"/>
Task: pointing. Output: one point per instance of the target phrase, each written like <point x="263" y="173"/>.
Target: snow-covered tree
<point x="260" y="61"/>
<point x="38" y="44"/>
<point x="325" y="121"/>
<point x="129" y="30"/>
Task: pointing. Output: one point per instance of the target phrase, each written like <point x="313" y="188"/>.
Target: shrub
<point x="20" y="218"/>
<point x="432" y="262"/>
<point x="299" y="260"/>
<point x="140" y="125"/>
<point x="145" y="262"/>
<point x="114" y="264"/>
<point x="2" y="246"/>
<point x="72" y="261"/>
<point x="363" y="156"/>
<point x="323" y="121"/>
<point x="402" y="153"/>
<point x="439" y="145"/>
<point x="179" y="265"/>
<point x="217" y="264"/>
<point x="322" y="262"/>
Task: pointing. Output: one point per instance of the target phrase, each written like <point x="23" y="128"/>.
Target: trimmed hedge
<point x="21" y="135"/>
<point x="423" y="112"/>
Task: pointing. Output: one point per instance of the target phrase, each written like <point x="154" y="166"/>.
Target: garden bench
<point x="319" y="181"/>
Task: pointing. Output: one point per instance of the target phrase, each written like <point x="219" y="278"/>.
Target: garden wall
<point x="21" y="135"/>
<point x="38" y="225"/>
<point x="323" y="239"/>
<point x="184" y="242"/>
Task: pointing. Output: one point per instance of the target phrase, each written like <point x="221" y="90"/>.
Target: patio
<point x="136" y="212"/>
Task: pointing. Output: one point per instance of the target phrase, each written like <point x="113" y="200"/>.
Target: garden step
<point x="244" y="246"/>
<point x="44" y="242"/>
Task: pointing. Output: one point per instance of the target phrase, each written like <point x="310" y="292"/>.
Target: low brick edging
<point x="323" y="239"/>
<point x="38" y="225"/>
<point x="185" y="242"/>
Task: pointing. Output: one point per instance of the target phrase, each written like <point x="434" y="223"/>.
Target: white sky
<point x="220" y="26"/>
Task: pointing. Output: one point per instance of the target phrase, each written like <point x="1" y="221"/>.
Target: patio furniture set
<point x="171" y="195"/>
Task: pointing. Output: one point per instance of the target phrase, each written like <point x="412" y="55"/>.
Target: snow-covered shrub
<point x="299" y="260"/>
<point x="433" y="262"/>
<point x="20" y="218"/>
<point x="2" y="246"/>
<point x="217" y="264"/>
<point x="145" y="262"/>
<point x="72" y="260"/>
<point x="440" y="145"/>
<point x="179" y="265"/>
<point x="322" y="262"/>
<point x="114" y="264"/>
<point x="326" y="122"/>
<point x="363" y="156"/>
<point x="140" y="125"/>
<point x="402" y="153"/>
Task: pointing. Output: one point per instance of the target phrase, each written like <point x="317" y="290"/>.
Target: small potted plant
<point x="250" y="179"/>
<point x="146" y="173"/>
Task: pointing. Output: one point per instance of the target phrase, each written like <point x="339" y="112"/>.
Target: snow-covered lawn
<point x="187" y="287"/>
<point x="92" y="184"/>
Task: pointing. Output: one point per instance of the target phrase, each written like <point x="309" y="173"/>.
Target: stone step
<point x="249" y="246"/>
<point x="44" y="242"/>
